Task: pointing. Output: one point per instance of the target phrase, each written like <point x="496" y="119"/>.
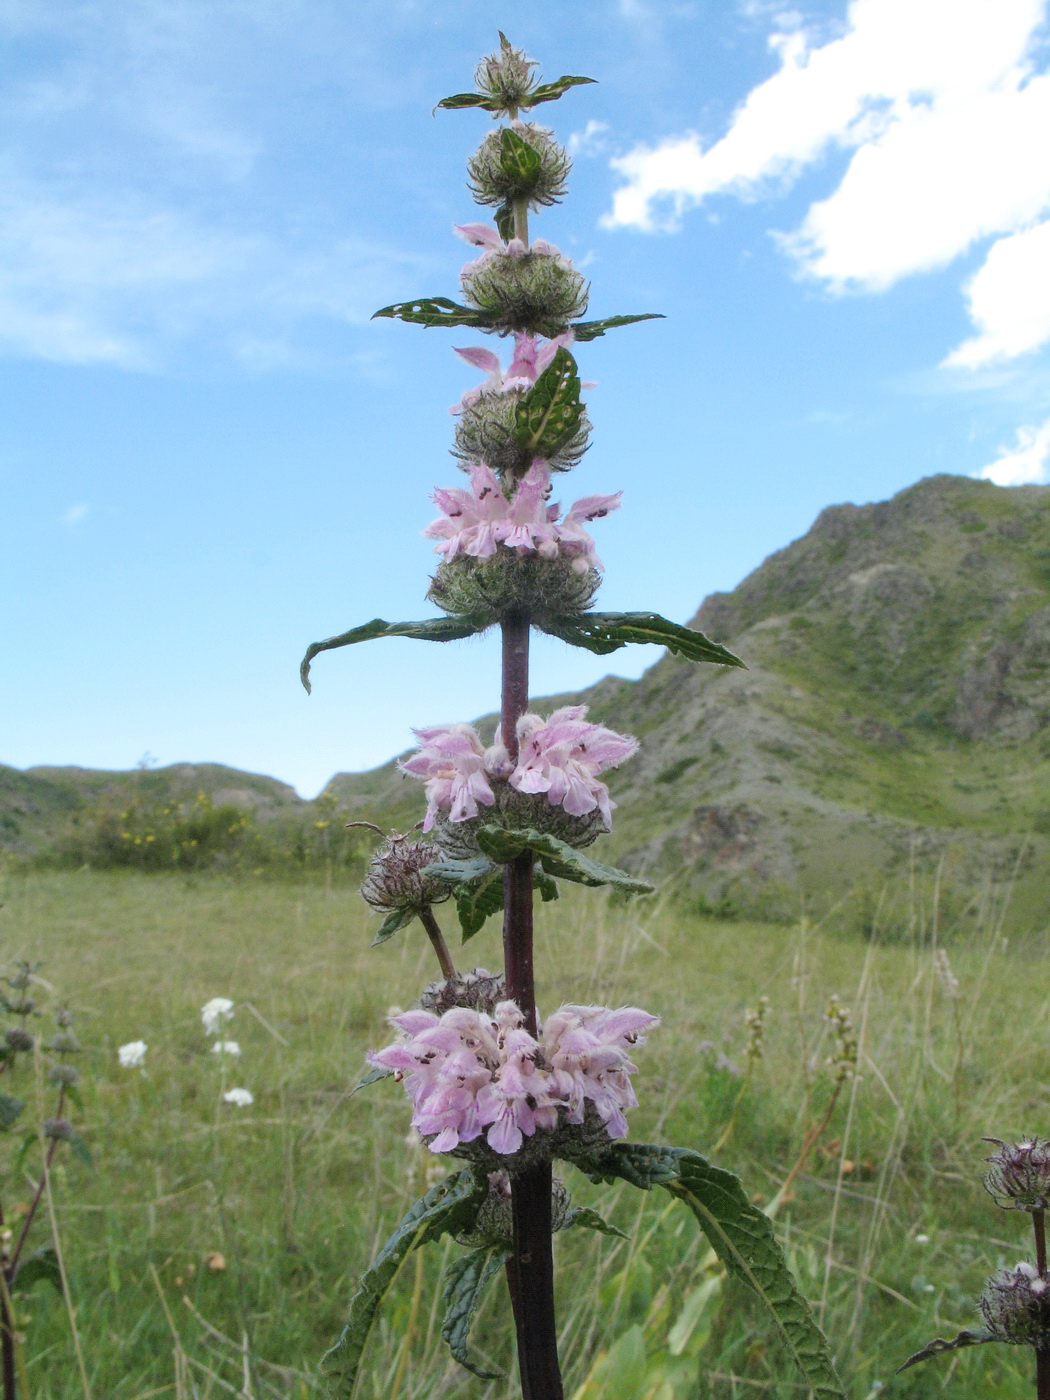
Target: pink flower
<point x="451" y="761"/>
<point x="475" y="522"/>
<point x="562" y="757"/>
<point x="530" y="359"/>
<point x="470" y="1074"/>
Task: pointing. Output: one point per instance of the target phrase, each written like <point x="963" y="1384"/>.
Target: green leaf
<point x="447" y="1208"/>
<point x="549" y="413"/>
<point x="397" y="919"/>
<point x="519" y="161"/>
<point x="557" y="857"/>
<point x="742" y="1237"/>
<point x="606" y="632"/>
<point x="434" y="311"/>
<point x="10" y="1111"/>
<point x="41" y="1264"/>
<point x="591" y="1220"/>
<point x="81" y="1151"/>
<point x="550" y="92"/>
<point x="465" y="1282"/>
<point x="372" y="1075"/>
<point x="431" y="629"/>
<point x="504" y="221"/>
<point x="591" y="330"/>
<point x="468" y="99"/>
<point x="479" y="889"/>
<point x="939" y="1346"/>
<point x="72" y="1093"/>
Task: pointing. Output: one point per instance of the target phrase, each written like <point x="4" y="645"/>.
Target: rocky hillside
<point x="893" y="721"/>
<point x="893" y="717"/>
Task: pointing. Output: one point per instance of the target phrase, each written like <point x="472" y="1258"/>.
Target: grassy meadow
<point x="212" y="1249"/>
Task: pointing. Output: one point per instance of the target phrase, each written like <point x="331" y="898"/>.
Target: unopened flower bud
<point x="506" y="77"/>
<point x="24" y="1006"/>
<point x="479" y="990"/>
<point x="1016" y="1307"/>
<point x="486" y="431"/>
<point x="1019" y="1178"/>
<point x="60" y="1129"/>
<point x="395" y="878"/>
<point x="496" y="180"/>
<point x="513" y="582"/>
<point x="18" y="1039"/>
<point x="64" y="1017"/>
<point x="64" y="1043"/>
<point x="64" y="1075"/>
<point x="537" y="291"/>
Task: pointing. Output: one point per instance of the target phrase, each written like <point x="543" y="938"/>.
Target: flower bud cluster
<point x="1016" y="1306"/>
<point x="494" y="1222"/>
<point x="493" y="181"/>
<point x="472" y="1075"/>
<point x="479" y="990"/>
<point x="843" y="1058"/>
<point x="506" y="77"/>
<point x="1019" y="1178"/>
<point x="559" y="760"/>
<point x="513" y="581"/>
<point x="530" y="289"/>
<point x="755" y="1024"/>
<point x="395" y="879"/>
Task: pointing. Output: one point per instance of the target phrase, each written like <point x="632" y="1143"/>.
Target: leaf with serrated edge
<point x="591" y="1220"/>
<point x="431" y="629"/>
<point x="558" y="857"/>
<point x="742" y="1237"/>
<point x="550" y="92"/>
<point x="465" y="1282"/>
<point x="939" y="1346"/>
<point x="396" y="920"/>
<point x="591" y="330"/>
<point x="372" y="1075"/>
<point x="606" y="632"/>
<point x="550" y="412"/>
<point x="447" y="1208"/>
<point x="434" y="311"/>
<point x="468" y="99"/>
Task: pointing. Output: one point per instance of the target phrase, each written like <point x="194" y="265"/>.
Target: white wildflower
<point x="240" y="1098"/>
<point x="226" y="1047"/>
<point x="132" y="1055"/>
<point x="216" y="1013"/>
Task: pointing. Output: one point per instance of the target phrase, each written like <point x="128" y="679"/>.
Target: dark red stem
<point x="1042" y="1354"/>
<point x="530" y="1270"/>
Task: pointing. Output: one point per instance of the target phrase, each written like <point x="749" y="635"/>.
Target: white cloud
<point x="1025" y="463"/>
<point x="76" y="513"/>
<point x="947" y="121"/>
<point x="110" y="281"/>
<point x="1009" y="300"/>
<point x="591" y="141"/>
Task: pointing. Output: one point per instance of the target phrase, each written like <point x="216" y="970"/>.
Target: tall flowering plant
<point x="512" y="813"/>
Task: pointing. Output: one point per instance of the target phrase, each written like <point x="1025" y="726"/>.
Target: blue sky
<point x="210" y="456"/>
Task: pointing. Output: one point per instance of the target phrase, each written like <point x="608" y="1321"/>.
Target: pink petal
<point x="481" y="235"/>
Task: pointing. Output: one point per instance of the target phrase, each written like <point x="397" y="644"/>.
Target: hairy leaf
<point x="591" y="330"/>
<point x="606" y="632"/>
<point x="742" y="1237"/>
<point x="479" y="889"/>
<point x="519" y="161"/>
<point x="939" y="1346"/>
<point x="591" y="1220"/>
<point x="397" y="919"/>
<point x="434" y="311"/>
<point x="431" y="629"/>
<point x="10" y="1111"/>
<point x="557" y="857"/>
<point x="447" y="1208"/>
<point x="41" y="1264"/>
<point x="465" y="1281"/>
<point x="469" y="99"/>
<point x="372" y="1075"/>
<point x="550" y="92"/>
<point x="549" y="413"/>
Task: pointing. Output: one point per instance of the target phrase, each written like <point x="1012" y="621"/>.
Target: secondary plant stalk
<point x="530" y="1269"/>
<point x="1042" y="1354"/>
